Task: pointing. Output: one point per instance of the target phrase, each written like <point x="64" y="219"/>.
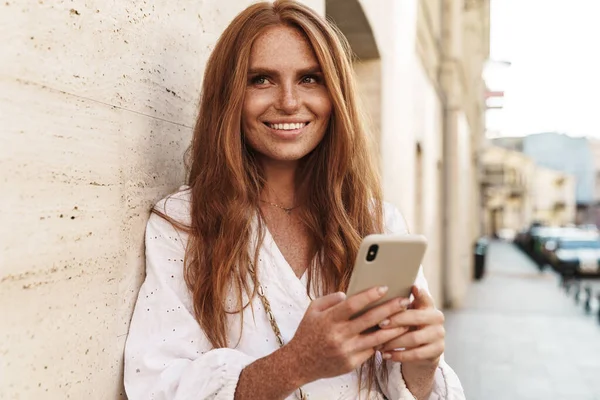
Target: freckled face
<point x="287" y="107"/>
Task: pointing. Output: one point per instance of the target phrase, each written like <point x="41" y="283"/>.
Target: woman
<point x="247" y="265"/>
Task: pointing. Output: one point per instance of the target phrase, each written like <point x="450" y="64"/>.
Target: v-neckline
<point x="278" y="254"/>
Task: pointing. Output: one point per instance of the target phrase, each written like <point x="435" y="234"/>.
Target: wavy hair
<point x="342" y="191"/>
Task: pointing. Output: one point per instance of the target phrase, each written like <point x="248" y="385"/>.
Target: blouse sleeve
<point x="167" y="355"/>
<point x="446" y="385"/>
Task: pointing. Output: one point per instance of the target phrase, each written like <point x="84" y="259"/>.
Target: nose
<point x="288" y="101"/>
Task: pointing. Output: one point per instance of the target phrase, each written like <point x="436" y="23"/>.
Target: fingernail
<point x="382" y="290"/>
<point x="404" y="303"/>
<point x="386" y="356"/>
<point x="385" y="322"/>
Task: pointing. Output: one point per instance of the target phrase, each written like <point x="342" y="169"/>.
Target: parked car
<point x="543" y="252"/>
<point x="589" y="227"/>
<point x="575" y="256"/>
<point x="543" y="234"/>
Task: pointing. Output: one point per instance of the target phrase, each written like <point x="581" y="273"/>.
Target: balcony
<point x="509" y="180"/>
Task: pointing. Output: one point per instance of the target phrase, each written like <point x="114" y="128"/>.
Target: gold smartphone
<point x="387" y="260"/>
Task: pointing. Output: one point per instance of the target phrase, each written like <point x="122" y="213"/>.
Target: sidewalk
<point x="519" y="336"/>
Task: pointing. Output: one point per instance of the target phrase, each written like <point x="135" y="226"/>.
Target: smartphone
<point x="387" y="260"/>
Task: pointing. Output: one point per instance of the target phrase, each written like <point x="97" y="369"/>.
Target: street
<point x="520" y="336"/>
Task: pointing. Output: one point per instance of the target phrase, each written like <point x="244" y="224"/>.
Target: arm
<point x="271" y="377"/>
<point x="419" y="379"/>
<point x="167" y="356"/>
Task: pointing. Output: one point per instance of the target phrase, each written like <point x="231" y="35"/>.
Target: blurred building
<point x="560" y="152"/>
<point x="517" y="192"/>
<point x="506" y="185"/>
<point x="98" y="105"/>
<point x="595" y="148"/>
<point x="553" y="195"/>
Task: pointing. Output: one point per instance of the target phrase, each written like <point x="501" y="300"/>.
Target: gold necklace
<point x="288" y="210"/>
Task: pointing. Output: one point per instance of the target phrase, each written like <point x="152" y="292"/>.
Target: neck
<point x="281" y="183"/>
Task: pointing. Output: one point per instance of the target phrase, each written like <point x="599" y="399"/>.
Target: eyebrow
<point x="271" y="72"/>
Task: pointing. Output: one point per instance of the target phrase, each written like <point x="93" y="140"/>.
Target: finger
<point x="423" y="299"/>
<point x="429" y="316"/>
<point x="420" y="337"/>
<point x="353" y="304"/>
<point x="402" y="331"/>
<point x="430" y="352"/>
<point x="328" y="301"/>
<point x="379" y="315"/>
<point x="375" y="339"/>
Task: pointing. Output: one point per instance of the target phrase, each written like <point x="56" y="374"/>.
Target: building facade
<point x="554" y="195"/>
<point x="560" y="152"/>
<point x="518" y="192"/>
<point x="97" y="107"/>
<point x="506" y="187"/>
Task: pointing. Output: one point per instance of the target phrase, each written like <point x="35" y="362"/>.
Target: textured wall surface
<point x="394" y="27"/>
<point x="368" y="76"/>
<point x="428" y="198"/>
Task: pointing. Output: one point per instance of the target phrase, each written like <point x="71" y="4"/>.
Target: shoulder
<point x="170" y="218"/>
<point x="393" y="220"/>
<point x="176" y="206"/>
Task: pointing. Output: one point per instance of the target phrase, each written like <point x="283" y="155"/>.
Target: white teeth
<point x="288" y="127"/>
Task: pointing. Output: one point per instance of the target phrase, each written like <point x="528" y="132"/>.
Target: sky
<point x="553" y="81"/>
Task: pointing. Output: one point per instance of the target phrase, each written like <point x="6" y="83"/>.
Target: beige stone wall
<point x="368" y="78"/>
<point x="393" y="28"/>
<point x="427" y="175"/>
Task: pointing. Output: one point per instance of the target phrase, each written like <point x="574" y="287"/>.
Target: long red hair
<point x="341" y="186"/>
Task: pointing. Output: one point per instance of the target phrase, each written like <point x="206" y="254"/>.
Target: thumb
<point x="423" y="299"/>
<point x="328" y="301"/>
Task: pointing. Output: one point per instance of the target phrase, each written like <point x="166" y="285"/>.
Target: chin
<point x="286" y="156"/>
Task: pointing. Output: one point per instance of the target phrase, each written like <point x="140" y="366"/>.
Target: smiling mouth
<point x="287" y="126"/>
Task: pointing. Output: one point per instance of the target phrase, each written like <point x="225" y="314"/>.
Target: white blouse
<point x="168" y="357"/>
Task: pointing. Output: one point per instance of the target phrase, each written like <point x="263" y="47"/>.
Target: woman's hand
<point x="328" y="343"/>
<point x="423" y="341"/>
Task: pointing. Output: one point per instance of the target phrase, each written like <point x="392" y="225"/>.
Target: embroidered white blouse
<point x="168" y="357"/>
